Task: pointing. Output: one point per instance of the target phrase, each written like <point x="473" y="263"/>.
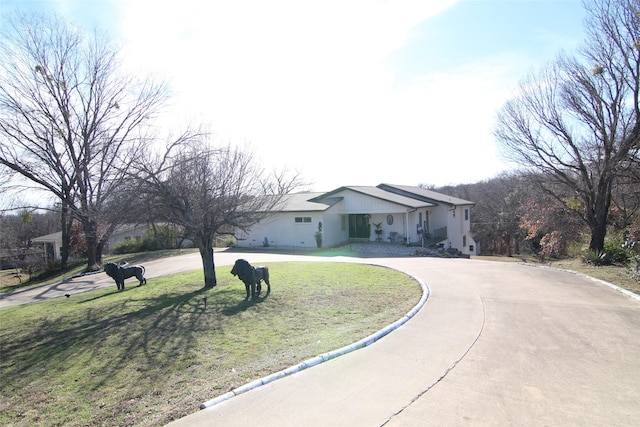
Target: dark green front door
<point x="359" y="226"/>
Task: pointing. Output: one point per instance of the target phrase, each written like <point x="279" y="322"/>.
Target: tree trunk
<point x="206" y="252"/>
<point x="91" y="239"/>
<point x="597" y="217"/>
<point x="99" y="249"/>
<point x="507" y="243"/>
<point x="596" y="244"/>
<point x="65" y="222"/>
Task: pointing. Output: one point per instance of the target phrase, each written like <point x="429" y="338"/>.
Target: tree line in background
<point x="513" y="217"/>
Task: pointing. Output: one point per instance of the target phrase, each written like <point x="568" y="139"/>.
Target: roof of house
<point x="304" y="202"/>
<point x="380" y="194"/>
<point x="53" y="237"/>
<point x="424" y="194"/>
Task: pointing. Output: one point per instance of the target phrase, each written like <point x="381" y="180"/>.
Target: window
<point x="303" y="220"/>
<point x="466" y="214"/>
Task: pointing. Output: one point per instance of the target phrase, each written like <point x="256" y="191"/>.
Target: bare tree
<point x="70" y="122"/>
<point x="211" y="191"/>
<point x="577" y="122"/>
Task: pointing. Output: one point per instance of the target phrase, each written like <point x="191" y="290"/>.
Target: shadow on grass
<point x="98" y="297"/>
<point x="147" y="329"/>
<point x="244" y="305"/>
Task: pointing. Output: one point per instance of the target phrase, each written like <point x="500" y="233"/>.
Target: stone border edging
<point x="326" y="356"/>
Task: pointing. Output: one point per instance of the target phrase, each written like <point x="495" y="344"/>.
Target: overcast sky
<point x="346" y="92"/>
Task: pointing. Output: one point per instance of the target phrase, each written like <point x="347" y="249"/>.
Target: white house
<point x="395" y="214"/>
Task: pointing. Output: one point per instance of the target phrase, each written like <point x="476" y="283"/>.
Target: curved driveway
<point x="495" y="344"/>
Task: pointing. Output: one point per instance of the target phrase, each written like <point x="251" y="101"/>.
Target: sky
<point x="344" y="92"/>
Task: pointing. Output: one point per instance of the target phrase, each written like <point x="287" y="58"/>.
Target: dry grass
<point x="11" y="279"/>
<point x="616" y="275"/>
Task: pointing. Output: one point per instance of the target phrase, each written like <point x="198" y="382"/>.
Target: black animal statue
<point x="251" y="277"/>
<point x="120" y="273"/>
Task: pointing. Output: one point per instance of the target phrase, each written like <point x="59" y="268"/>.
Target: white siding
<point x="282" y="230"/>
<point x="357" y="203"/>
<point x="334" y="230"/>
<point x="459" y="229"/>
<point x="397" y="226"/>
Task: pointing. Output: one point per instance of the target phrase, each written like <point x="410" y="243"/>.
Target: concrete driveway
<point x="495" y="344"/>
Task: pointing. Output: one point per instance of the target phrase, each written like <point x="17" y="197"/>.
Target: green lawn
<point x="152" y="354"/>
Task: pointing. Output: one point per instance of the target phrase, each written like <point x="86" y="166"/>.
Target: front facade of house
<point x="385" y="213"/>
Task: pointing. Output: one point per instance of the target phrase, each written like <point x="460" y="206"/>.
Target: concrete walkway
<point x="495" y="344"/>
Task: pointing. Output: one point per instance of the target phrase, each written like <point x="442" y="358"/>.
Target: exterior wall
<point x="52" y="245"/>
<point x="357" y="203"/>
<point x="281" y="230"/>
<point x="459" y="226"/>
<point x="453" y="218"/>
<point x="438" y="218"/>
<point x="397" y="226"/>
<point x="56" y="246"/>
<point x="335" y="230"/>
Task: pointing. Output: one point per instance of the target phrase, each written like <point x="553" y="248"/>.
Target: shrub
<point x="160" y="237"/>
<point x="616" y="252"/>
<point x="596" y="258"/>
<point x="633" y="267"/>
<point x="129" y="246"/>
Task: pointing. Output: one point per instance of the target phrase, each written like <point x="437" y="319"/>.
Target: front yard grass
<point x="153" y="353"/>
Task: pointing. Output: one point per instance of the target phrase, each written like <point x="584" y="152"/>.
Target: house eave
<point x="408" y="203"/>
<point x="426" y="195"/>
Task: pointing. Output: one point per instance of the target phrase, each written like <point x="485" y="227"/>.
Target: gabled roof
<point x="380" y="194"/>
<point x="424" y="194"/>
<point x="304" y="202"/>
<point x="53" y="237"/>
<point x="402" y="195"/>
